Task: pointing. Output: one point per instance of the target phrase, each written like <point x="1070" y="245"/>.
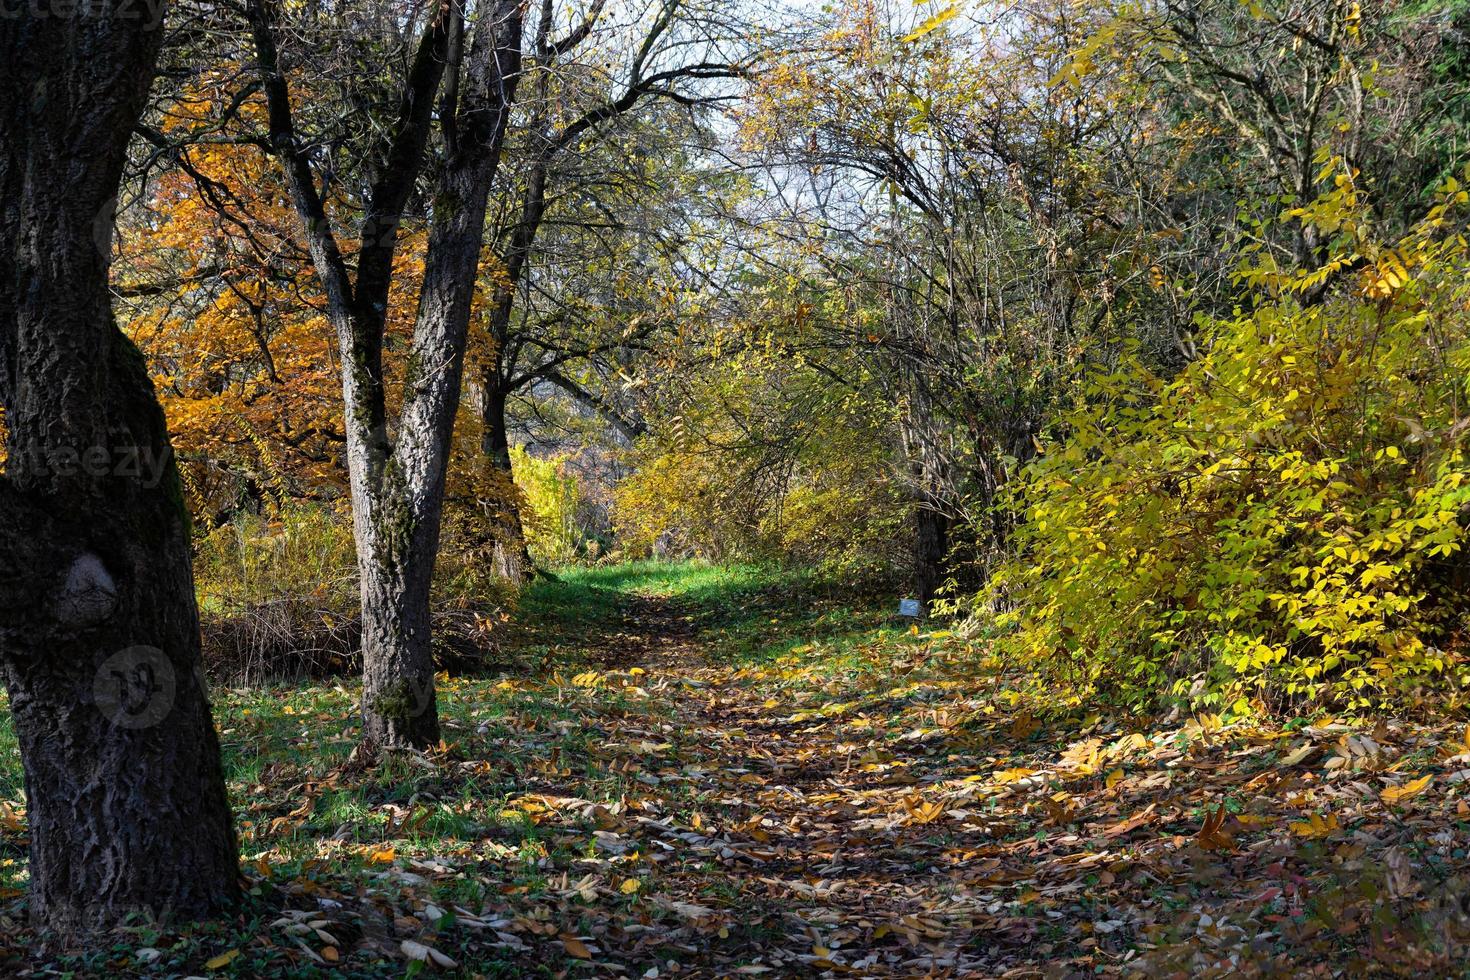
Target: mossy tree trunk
<point x="99" y="632"/>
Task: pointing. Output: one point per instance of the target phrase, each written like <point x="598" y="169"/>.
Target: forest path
<point x="877" y="801"/>
<point x="822" y="841"/>
<point x="691" y="771"/>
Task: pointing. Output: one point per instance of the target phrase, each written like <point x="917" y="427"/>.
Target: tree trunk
<point x="99" y="632"/>
<point x="399" y="707"/>
<point x="512" y="557"/>
<point x="923" y="438"/>
<point x="398" y="664"/>
<point x="931" y="549"/>
<point x="398" y="483"/>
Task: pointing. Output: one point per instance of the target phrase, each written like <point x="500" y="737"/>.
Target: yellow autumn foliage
<point x="1284" y="520"/>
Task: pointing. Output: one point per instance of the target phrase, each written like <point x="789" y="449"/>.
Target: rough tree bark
<point x="398" y="480"/>
<point x="99" y="632"/>
<point x="931" y="550"/>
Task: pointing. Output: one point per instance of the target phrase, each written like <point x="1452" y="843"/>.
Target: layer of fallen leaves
<point x="885" y="812"/>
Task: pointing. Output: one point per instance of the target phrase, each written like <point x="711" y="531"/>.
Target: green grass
<point x="580" y="598"/>
<point x="695" y="581"/>
<point x="739" y="614"/>
<point x="306" y="831"/>
<point x="766" y="697"/>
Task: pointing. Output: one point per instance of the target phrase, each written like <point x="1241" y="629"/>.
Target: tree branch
<point x="577" y="35"/>
<point x="402" y="157"/>
<point x="631" y="429"/>
<point x="321" y="242"/>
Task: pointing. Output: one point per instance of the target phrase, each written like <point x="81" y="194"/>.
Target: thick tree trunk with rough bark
<point x="399" y="707"/>
<point x="99" y="633"/>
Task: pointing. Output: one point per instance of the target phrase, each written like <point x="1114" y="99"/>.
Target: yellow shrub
<point x="1278" y="520"/>
<point x="552" y="499"/>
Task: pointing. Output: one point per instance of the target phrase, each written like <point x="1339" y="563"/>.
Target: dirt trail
<point x="814" y="829"/>
<point x="905" y="819"/>
<point x="655" y="633"/>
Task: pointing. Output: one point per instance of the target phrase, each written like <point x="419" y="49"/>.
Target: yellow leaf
<point x="382" y="856"/>
<point x="222" y="960"/>
<point x="1113" y="778"/>
<point x="629" y="887"/>
<point x="1004" y="776"/>
<point x="1397" y="794"/>
<point x="1315" y="826"/>
<point x="933" y="23"/>
<point x="922" y="813"/>
<point x="1300" y="755"/>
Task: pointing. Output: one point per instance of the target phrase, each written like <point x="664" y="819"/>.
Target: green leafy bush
<point x="553" y="499"/>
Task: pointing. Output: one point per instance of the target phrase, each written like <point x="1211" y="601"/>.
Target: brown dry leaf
<point x="1212" y="836"/>
<point x="575" y="947"/>
<point x="1140" y="819"/>
<point x="1024" y="725"/>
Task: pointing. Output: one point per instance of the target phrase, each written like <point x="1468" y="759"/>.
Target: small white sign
<point x="909" y="607"/>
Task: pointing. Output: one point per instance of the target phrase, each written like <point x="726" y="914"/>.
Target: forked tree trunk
<point x="398" y="663"/>
<point x="99" y="632"/>
<point x="398" y="482"/>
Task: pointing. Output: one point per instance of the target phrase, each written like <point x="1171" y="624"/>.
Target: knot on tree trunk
<point x="88" y="597"/>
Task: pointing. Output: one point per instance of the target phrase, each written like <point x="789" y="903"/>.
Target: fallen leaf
<point x="222" y="960"/>
<point x="1409" y="790"/>
<point x="425" y="954"/>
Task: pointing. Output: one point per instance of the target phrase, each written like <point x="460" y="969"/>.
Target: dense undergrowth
<point x="278" y="596"/>
<point x="1281" y="524"/>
